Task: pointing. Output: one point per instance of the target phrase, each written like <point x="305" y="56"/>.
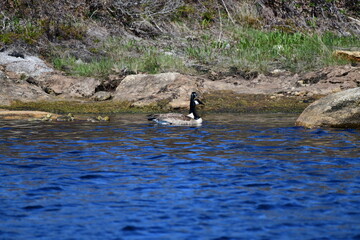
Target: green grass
<point x="131" y="55"/>
<point x="13" y="29"/>
<point x="75" y="67"/>
<point x="31" y="31"/>
<point x="247" y="49"/>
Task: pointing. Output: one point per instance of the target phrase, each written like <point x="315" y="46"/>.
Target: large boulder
<point x="144" y="89"/>
<point x="340" y="110"/>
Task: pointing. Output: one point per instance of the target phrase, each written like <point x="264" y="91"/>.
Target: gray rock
<point x="341" y="110"/>
<point x="29" y="65"/>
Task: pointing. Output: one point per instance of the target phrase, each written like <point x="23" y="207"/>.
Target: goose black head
<point x="194" y="98"/>
<point x="193" y="95"/>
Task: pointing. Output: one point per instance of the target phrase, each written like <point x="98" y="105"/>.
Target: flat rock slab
<point x="25" y="115"/>
<point x="338" y="110"/>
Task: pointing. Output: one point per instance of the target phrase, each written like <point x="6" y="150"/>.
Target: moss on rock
<point x="227" y="101"/>
<point x="219" y="101"/>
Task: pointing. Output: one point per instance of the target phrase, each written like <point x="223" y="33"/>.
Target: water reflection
<point x="236" y="177"/>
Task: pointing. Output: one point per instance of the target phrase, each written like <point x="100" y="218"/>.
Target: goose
<point x="192" y="119"/>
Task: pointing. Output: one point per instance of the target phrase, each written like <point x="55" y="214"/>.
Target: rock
<point x="101" y="96"/>
<point x="45" y="87"/>
<point x="144" y="89"/>
<point x="75" y="87"/>
<point x="47" y="118"/>
<point x="350" y="55"/>
<point x="2" y="75"/>
<point x="261" y="84"/>
<point x="27" y="115"/>
<point x="328" y="80"/>
<point x="17" y="54"/>
<point x="341" y="110"/>
<point x="277" y="71"/>
<point x="21" y="90"/>
<point x="144" y="28"/>
<point x="22" y="64"/>
<point x="84" y="87"/>
<point x="97" y="32"/>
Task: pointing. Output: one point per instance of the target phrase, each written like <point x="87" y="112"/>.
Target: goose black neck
<point x="193" y="108"/>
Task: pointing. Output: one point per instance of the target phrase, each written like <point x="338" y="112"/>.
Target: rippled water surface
<point x="236" y="177"/>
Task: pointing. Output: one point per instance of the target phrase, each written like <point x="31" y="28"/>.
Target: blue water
<point x="238" y="176"/>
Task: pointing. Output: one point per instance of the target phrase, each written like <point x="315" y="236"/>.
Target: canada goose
<point x="192" y="119"/>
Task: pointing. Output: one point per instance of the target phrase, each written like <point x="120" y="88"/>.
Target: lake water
<point x="239" y="176"/>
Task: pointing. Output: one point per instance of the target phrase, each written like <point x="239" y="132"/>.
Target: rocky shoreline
<point x="28" y="83"/>
<point x="27" y="79"/>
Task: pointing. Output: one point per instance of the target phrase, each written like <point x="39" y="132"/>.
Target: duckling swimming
<point x="68" y="118"/>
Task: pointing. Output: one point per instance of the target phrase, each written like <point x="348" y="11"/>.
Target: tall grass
<point x="248" y="48"/>
<point x="129" y="55"/>
<point x="292" y="51"/>
<point x="76" y="67"/>
<point x="245" y="48"/>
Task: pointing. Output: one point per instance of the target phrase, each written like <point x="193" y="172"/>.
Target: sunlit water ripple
<point x="236" y="177"/>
